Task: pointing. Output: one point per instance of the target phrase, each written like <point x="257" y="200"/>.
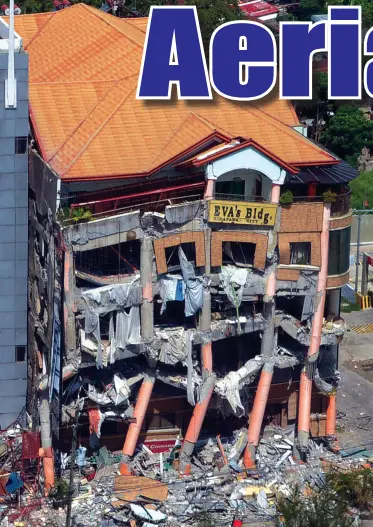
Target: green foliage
<point x="307" y="8"/>
<point x="348" y="132"/>
<point x="354" y="487"/>
<point x="286" y="198"/>
<point x="329" y="196"/>
<point x="346" y="307"/>
<point x="80" y="214"/>
<point x="318" y="509"/>
<point x="362" y="191"/>
<point x="60" y="490"/>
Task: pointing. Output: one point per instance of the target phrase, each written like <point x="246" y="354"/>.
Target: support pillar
<point x="69" y="306"/>
<point x="205" y="320"/>
<point x="331" y="416"/>
<point x="135" y="427"/>
<point x="46" y="443"/>
<point x="257" y="414"/>
<point x="269" y="343"/>
<point x="210" y="189"/>
<point x="147" y="308"/>
<point x="306" y="380"/>
<point x="195" y="425"/>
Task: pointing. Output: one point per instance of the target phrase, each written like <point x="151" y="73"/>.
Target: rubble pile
<point x="219" y="489"/>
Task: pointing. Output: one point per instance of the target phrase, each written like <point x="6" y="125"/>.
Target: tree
<point x="211" y="13"/>
<point x="307" y="8"/>
<point x="347" y="133"/>
<point x="362" y="191"/>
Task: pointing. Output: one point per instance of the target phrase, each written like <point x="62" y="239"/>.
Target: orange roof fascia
<point x="197" y="163"/>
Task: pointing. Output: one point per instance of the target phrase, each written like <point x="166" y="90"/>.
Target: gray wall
<point x="366" y="229"/>
<point x="13" y="243"/>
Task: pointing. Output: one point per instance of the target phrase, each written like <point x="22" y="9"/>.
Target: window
<point x="339" y="252"/>
<point x="239" y="253"/>
<point x="300" y="253"/>
<point x="21" y="145"/>
<point x="172" y="255"/>
<point x="20" y="353"/>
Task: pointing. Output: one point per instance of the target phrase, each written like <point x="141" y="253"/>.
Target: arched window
<point x="258" y="187"/>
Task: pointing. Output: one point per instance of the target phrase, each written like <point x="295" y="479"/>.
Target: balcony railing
<point x="340" y="207"/>
<point x="241" y="197"/>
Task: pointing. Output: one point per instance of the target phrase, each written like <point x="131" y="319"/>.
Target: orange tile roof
<point x="84" y="67"/>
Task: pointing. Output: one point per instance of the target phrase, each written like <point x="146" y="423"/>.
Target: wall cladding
<point x="338" y="281"/>
<point x="13" y="241"/>
<point x="260" y="240"/>
<point x="177" y="239"/>
<point x="302" y="217"/>
<point x="290" y="275"/>
<point x="341" y="223"/>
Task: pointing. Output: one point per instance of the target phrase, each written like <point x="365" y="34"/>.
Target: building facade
<point x="203" y="249"/>
<point x="14" y="131"/>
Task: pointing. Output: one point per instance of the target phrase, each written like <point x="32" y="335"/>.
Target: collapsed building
<point x="198" y="251"/>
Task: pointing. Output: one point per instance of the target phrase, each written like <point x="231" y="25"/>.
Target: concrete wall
<point x="366" y="229"/>
<point x="13" y="243"/>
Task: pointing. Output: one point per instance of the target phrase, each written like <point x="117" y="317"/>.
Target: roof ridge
<point x="40" y="30"/>
<point x="176" y="131"/>
<point x="96" y="13"/>
<point x="213" y="125"/>
<point x="98" y="129"/>
<point x="282" y="126"/>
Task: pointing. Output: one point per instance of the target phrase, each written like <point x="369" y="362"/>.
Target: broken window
<point x="172" y="255"/>
<point x="160" y="421"/>
<point x="300" y="253"/>
<point x="109" y="262"/>
<point x="20" y="353"/>
<point x="239" y="253"/>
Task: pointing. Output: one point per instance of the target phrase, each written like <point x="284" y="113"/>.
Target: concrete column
<point x="205" y="320"/>
<point x="147" y="307"/>
<point x="269" y="342"/>
<point x="275" y="194"/>
<point x="333" y="308"/>
<point x="306" y="380"/>
<point x="331" y="416"/>
<point x="257" y="414"/>
<point x="196" y="422"/>
<point x="135" y="427"/>
<point x="210" y="189"/>
<point x="69" y="306"/>
<point x="46" y="443"/>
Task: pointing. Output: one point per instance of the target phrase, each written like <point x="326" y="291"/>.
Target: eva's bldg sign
<point x="242" y="213"/>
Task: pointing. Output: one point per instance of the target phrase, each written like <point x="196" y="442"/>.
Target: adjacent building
<point x="14" y="131"/>
<point x="204" y="245"/>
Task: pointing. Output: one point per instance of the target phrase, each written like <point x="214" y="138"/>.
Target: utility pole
<point x="358" y="251"/>
<point x="72" y="466"/>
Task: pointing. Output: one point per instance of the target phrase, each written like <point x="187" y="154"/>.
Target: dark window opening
<point x="20" y="353"/>
<point x="293" y="305"/>
<point x="172" y="255"/>
<point x="238" y="253"/>
<point x="258" y="187"/>
<point x="109" y="262"/>
<point x="160" y="421"/>
<point x="234" y="188"/>
<point x="173" y="315"/>
<point x="20" y="145"/>
<point x="230" y="355"/>
<point x="300" y="253"/>
<point x="339" y="251"/>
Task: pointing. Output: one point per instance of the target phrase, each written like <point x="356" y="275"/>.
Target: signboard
<point x="242" y="213"/>
<point x="160" y="445"/>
